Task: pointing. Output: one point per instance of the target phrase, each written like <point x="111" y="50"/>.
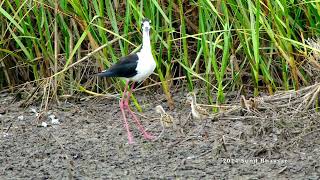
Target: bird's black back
<point x="126" y="67"/>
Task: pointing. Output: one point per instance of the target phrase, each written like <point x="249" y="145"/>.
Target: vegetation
<point x="226" y="45"/>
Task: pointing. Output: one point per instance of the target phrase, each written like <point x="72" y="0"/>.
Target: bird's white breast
<point x="145" y="66"/>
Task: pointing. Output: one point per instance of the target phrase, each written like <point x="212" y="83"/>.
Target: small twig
<point x="178" y="142"/>
<point x="315" y="95"/>
<point x="283" y="169"/>
<point x="224" y="144"/>
<point x="240" y="118"/>
<point x="8" y="128"/>
<point x="217" y="106"/>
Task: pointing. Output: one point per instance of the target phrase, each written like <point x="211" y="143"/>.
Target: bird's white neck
<point x="194" y="112"/>
<point x="146" y="41"/>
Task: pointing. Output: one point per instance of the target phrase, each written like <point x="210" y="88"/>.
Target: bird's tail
<point x="105" y="73"/>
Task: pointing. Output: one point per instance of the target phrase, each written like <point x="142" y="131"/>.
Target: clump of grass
<point x="229" y="45"/>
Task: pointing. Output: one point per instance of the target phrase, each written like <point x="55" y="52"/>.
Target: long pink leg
<point x="146" y="135"/>
<point x="124" y="104"/>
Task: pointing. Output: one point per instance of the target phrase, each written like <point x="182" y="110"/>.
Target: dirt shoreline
<point x="90" y="143"/>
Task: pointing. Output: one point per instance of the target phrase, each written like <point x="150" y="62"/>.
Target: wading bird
<point x="165" y="118"/>
<point x="196" y="111"/>
<point x="249" y="105"/>
<point x="135" y="67"/>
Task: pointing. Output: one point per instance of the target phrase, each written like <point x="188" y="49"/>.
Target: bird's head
<point x="146" y="24"/>
<point x="191" y="97"/>
<point x="159" y="109"/>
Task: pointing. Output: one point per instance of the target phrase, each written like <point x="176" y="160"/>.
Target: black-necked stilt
<point x="196" y="111"/>
<point x="135" y="67"/>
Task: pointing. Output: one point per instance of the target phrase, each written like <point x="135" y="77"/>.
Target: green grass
<point x="44" y="40"/>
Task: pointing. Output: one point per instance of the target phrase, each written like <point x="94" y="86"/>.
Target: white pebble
<point x="44" y="124"/>
<point x="20" y="118"/>
<point x="35" y="112"/>
<point x="54" y="120"/>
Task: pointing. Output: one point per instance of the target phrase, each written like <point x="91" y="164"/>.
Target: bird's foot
<point x="147" y="135"/>
<point x="130" y="138"/>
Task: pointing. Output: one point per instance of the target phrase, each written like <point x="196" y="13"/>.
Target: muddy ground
<point x="90" y="143"/>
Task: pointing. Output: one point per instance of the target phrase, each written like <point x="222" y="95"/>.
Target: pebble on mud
<point x="53" y="119"/>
